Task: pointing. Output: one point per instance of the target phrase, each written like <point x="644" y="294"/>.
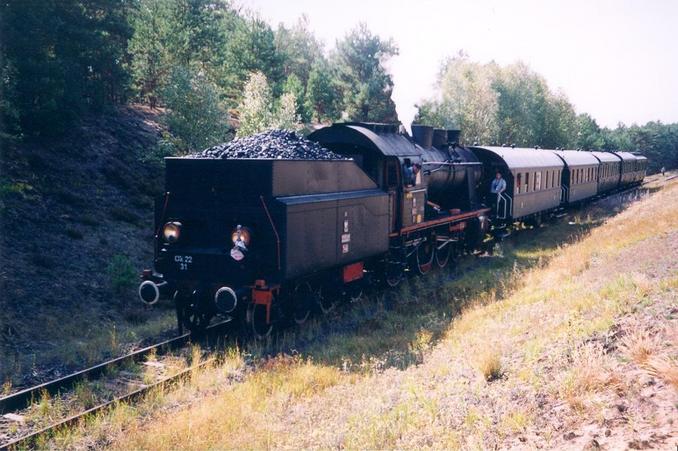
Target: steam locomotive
<point x="268" y="241"/>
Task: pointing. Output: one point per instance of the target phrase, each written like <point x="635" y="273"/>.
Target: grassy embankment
<point x="547" y="345"/>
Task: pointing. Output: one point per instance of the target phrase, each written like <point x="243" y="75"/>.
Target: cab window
<point x="391" y="174"/>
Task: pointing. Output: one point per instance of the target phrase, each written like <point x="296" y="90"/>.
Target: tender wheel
<point x="355" y="291"/>
<point x="424" y="255"/>
<point x="443" y="255"/>
<point x="194" y="316"/>
<point x="302" y="300"/>
<point x="261" y="329"/>
<point x="325" y="303"/>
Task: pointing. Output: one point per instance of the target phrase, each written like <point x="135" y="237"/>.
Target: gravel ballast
<point x="271" y="144"/>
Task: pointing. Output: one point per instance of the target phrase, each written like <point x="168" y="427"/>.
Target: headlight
<point x="171" y="231"/>
<point x="241" y="237"/>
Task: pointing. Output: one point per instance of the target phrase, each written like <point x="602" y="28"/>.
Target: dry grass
<point x="540" y="331"/>
<point x="487" y="361"/>
<point x="640" y="344"/>
<point x="591" y="371"/>
<point x="664" y="368"/>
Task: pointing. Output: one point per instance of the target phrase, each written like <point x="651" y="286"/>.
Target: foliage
<point x="323" y="94"/>
<point x="512" y="104"/>
<point x="121" y="274"/>
<point x="249" y="47"/>
<point x="195" y="117"/>
<point x="298" y="49"/>
<point x="467" y="100"/>
<point x="257" y="111"/>
<point x="294" y="86"/>
<point x="367" y="87"/>
<point x="66" y="59"/>
<point x="169" y="34"/>
<point x="61" y="60"/>
<point x="286" y="117"/>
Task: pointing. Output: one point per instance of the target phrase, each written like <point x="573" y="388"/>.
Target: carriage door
<point x="392" y="186"/>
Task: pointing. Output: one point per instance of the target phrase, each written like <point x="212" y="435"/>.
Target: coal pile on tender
<point x="271" y="144"/>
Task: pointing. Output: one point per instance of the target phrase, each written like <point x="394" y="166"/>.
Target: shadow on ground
<point x="395" y="327"/>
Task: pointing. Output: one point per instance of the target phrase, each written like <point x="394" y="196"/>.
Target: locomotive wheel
<point x="424" y="255"/>
<point x="393" y="274"/>
<point x="443" y="255"/>
<point x="257" y="318"/>
<point x="325" y="303"/>
<point x="354" y="290"/>
<point x="303" y="300"/>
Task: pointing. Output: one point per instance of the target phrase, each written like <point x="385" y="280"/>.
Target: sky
<point x="616" y="60"/>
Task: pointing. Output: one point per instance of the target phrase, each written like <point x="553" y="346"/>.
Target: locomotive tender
<point x="268" y="240"/>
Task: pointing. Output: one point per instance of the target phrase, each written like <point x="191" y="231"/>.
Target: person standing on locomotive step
<point x="498" y="187"/>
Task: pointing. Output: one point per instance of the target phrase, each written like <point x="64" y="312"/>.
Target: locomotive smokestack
<point x="423" y="135"/>
<point x="453" y="136"/>
<point x="439" y="137"/>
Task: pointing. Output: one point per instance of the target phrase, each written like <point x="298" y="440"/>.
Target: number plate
<point x="184" y="261"/>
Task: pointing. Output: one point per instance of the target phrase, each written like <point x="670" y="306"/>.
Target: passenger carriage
<point x="608" y="171"/>
<point x="580" y="175"/>
<point x="532" y="180"/>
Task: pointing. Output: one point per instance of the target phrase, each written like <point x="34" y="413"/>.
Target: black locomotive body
<point x="268" y="240"/>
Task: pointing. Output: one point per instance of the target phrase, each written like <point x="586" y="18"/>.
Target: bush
<point x="196" y="118"/>
<point x="121" y="274"/>
<point x="257" y="112"/>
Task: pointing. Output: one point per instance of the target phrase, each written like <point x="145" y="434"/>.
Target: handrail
<point x="507" y="203"/>
<point x="563" y="193"/>
<point x="275" y="231"/>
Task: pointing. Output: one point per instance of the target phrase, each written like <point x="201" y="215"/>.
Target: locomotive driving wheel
<point x="443" y="255"/>
<point x="424" y="255"/>
<point x="394" y="271"/>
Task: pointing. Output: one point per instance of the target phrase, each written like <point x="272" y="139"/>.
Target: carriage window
<point x="519" y="180"/>
<point x="538" y="181"/>
<point x="548" y="176"/>
<point x="527" y="182"/>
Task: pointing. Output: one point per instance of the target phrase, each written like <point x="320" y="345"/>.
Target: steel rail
<point x="22" y="399"/>
<point x="29" y="440"/>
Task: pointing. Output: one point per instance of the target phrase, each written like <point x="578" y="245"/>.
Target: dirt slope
<point x="67" y="207"/>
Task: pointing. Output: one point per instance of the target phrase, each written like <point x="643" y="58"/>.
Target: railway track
<point x="19" y="428"/>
